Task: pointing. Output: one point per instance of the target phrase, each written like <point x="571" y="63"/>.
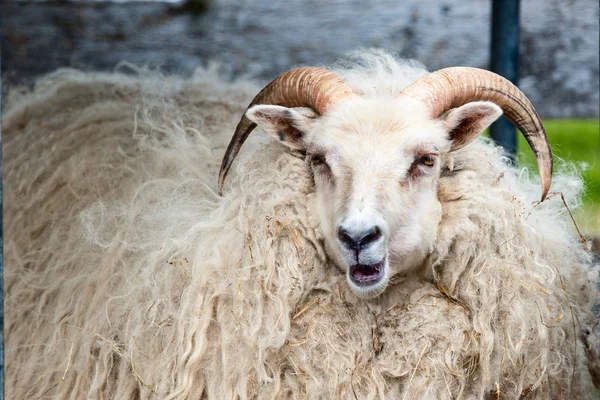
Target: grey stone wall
<point x="559" y="39"/>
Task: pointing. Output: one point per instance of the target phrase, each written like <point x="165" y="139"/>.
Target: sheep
<point x="128" y="276"/>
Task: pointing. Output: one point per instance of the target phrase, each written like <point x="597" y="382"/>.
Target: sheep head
<point x="376" y="161"/>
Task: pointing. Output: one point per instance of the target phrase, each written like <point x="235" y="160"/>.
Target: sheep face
<point x="376" y="166"/>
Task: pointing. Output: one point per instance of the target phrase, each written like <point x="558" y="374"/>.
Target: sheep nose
<point x="358" y="240"/>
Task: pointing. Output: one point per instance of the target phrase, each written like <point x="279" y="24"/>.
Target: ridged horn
<point x="453" y="87"/>
<point x="312" y="87"/>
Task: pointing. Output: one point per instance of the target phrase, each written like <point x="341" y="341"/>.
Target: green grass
<point x="577" y="141"/>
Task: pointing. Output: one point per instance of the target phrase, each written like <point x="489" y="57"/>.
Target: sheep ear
<point x="465" y="123"/>
<point x="287" y="125"/>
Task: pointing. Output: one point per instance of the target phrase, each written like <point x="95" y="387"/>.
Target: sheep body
<point x="126" y="276"/>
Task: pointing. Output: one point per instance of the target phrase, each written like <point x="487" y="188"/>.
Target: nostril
<point x="356" y="241"/>
<point x="370" y="236"/>
<point x="345" y="238"/>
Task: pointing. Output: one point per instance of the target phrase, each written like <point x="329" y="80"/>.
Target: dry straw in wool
<point x="128" y="277"/>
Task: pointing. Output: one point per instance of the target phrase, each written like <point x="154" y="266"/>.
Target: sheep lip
<point x="367" y="274"/>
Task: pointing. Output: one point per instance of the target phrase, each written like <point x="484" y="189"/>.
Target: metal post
<point x="505" y="62"/>
<point x="1" y="262"/>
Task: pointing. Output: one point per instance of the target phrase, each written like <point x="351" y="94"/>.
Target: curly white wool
<point x="127" y="277"/>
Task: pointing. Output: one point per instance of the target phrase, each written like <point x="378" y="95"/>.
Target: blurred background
<point x="558" y="50"/>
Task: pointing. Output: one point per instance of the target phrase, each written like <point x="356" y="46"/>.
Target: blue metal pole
<point x="505" y="62"/>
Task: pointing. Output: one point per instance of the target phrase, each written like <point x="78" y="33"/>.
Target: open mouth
<point x="366" y="275"/>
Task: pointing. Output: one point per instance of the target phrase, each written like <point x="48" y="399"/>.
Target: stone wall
<point x="559" y="39"/>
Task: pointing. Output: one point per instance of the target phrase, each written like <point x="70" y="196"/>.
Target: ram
<point x="387" y="251"/>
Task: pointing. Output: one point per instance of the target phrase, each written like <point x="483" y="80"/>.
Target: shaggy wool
<point x="127" y="277"/>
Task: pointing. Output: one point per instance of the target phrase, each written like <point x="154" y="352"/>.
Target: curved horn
<point x="312" y="87"/>
<point x="453" y="87"/>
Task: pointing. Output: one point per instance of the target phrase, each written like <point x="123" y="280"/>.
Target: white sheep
<point x="376" y="260"/>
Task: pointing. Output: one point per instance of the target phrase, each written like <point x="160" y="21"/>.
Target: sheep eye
<point x="428" y="160"/>
<point x="317" y="160"/>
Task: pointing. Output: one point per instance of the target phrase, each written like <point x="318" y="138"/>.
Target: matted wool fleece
<point x="127" y="277"/>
